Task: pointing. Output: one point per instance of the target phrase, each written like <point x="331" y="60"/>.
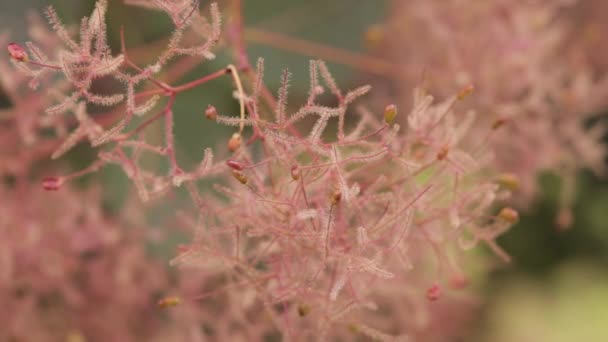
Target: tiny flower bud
<point x="390" y="113"/>
<point x="459" y="281"/>
<point x="235" y="142"/>
<point x="508" y="214"/>
<point x="443" y="153"/>
<point x="508" y="180"/>
<point x="168" y="302"/>
<point x="465" y="92"/>
<point x="17" y="53"/>
<point x="52" y="183"/>
<point x="303" y="310"/>
<point x="235" y="165"/>
<point x="433" y="293"/>
<point x="295" y="172"/>
<point x="240" y="176"/>
<point x="211" y="112"/>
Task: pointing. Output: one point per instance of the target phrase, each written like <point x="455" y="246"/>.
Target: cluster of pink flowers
<point x="328" y="231"/>
<point x="326" y="221"/>
<point x="66" y="270"/>
<point x="536" y="65"/>
<point x="69" y="271"/>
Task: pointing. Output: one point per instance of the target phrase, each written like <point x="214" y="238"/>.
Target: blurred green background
<point x="557" y="287"/>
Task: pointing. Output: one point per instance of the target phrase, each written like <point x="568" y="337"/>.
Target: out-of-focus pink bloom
<point x="323" y="232"/>
<point x="534" y="65"/>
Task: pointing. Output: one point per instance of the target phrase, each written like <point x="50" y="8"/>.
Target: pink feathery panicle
<point x="28" y="111"/>
<point x="333" y="221"/>
<point x="536" y="67"/>
<point x="68" y="272"/>
<point x="322" y="229"/>
<point x="329" y="227"/>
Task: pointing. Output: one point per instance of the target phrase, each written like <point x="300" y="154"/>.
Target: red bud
<point x="433" y="293"/>
<point x="17" y="53"/>
<point x="52" y="183"/>
<point x="211" y="113"/>
<point x="235" y="165"/>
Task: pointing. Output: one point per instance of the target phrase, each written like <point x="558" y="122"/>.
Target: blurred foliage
<point x="538" y="245"/>
<point x="570" y="304"/>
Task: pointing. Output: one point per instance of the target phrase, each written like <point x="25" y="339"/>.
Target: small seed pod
<point x="52" y="183"/>
<point x="336" y="197"/>
<point x="508" y="214"/>
<point x="508" y="180"/>
<point x="235" y="165"/>
<point x="433" y="293"/>
<point x="498" y="123"/>
<point x="374" y="35"/>
<point x="443" y="153"/>
<point x="465" y="92"/>
<point x="168" y="302"/>
<point x="390" y="113"/>
<point x="238" y="175"/>
<point x="303" y="310"/>
<point x="211" y="112"/>
<point x="235" y="142"/>
<point x="17" y="53"/>
<point x="295" y="172"/>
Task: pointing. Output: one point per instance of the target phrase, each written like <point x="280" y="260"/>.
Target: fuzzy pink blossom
<point x="324" y="228"/>
<point x="534" y="67"/>
<point x="328" y="219"/>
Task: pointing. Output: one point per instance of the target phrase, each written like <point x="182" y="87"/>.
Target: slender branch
<point x="239" y="87"/>
<point x="201" y="80"/>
